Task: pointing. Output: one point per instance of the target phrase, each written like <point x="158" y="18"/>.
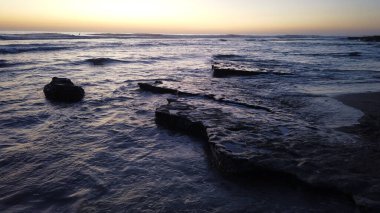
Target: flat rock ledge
<point x="157" y="87"/>
<point x="268" y="143"/>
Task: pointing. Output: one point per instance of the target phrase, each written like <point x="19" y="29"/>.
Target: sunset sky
<point x="193" y="16"/>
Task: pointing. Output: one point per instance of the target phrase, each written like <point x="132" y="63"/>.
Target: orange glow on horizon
<point x="196" y="16"/>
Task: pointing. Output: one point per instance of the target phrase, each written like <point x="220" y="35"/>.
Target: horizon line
<point x="75" y="33"/>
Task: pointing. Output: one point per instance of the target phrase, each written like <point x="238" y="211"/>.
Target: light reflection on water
<point x="106" y="152"/>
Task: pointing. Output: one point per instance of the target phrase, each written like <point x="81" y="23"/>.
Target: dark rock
<point x="225" y="72"/>
<point x="156" y="89"/>
<point x="171" y="100"/>
<point x="62" y="89"/>
<point x="101" y="61"/>
<point x="179" y="122"/>
<point x="97" y="61"/>
<point x="353" y="54"/>
<point x="254" y="143"/>
<point x="3" y="63"/>
<point x="221" y="72"/>
<point x="226" y="56"/>
<point x="366" y="38"/>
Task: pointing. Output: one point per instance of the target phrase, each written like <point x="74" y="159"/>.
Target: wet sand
<point x="369" y="104"/>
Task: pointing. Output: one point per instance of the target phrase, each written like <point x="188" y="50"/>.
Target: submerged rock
<point x="62" y="89"/>
<point x="101" y="61"/>
<point x="269" y="143"/>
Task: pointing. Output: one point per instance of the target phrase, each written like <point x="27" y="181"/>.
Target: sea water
<point x="106" y="153"/>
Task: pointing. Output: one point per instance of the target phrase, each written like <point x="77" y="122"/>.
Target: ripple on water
<point x="107" y="154"/>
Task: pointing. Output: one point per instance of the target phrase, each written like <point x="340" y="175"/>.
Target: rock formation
<point x="62" y="89"/>
<point x="227" y="71"/>
<point x="157" y="87"/>
<point x="271" y="143"/>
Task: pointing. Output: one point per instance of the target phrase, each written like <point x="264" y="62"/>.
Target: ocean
<point x="106" y="153"/>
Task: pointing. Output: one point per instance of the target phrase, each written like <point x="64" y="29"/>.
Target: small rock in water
<point x="156" y="89"/>
<point x="354" y="54"/>
<point x="98" y="61"/>
<point x="62" y="89"/>
<point x="227" y="71"/>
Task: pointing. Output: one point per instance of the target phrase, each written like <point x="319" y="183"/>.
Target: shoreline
<point x="369" y="123"/>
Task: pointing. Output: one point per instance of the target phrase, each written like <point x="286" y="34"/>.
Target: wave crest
<point x="21" y="48"/>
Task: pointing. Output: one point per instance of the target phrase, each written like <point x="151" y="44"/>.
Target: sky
<point x="332" y="17"/>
